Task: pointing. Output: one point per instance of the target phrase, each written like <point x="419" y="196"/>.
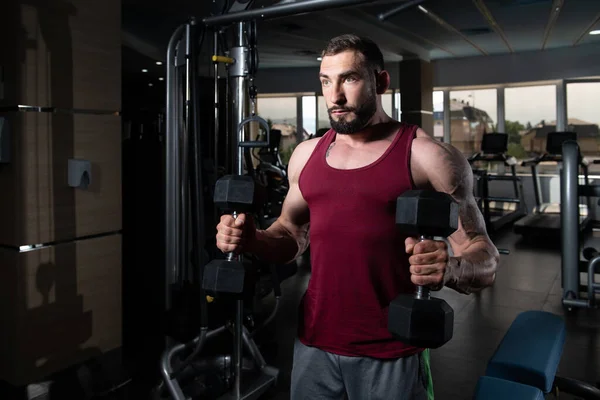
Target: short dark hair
<point x="363" y="45"/>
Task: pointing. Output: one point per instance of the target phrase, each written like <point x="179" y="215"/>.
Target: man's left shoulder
<point x="439" y="161"/>
<point x="425" y="145"/>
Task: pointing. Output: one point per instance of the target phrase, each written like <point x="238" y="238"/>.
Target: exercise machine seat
<point x="489" y="388"/>
<point x="530" y="351"/>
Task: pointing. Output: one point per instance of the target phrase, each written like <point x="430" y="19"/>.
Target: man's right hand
<point x="235" y="235"/>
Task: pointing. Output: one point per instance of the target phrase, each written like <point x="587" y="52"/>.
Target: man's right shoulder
<point x="300" y="156"/>
<point x="308" y="145"/>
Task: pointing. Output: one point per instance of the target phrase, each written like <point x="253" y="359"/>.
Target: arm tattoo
<point x="329" y="149"/>
<point x="474" y="266"/>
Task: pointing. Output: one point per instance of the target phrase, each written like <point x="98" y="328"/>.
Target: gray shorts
<point x="318" y="375"/>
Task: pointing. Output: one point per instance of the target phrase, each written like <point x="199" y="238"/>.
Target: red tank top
<point x="358" y="258"/>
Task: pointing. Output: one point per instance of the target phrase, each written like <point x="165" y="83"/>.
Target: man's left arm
<point x="473" y="263"/>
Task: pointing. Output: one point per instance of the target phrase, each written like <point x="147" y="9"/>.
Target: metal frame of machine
<point x="570" y="192"/>
<point x="182" y="135"/>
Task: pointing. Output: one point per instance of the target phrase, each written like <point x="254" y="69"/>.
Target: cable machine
<point x="185" y="239"/>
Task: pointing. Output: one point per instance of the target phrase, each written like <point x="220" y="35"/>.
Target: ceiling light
<point x="596" y="32"/>
<point x="150" y="84"/>
<point x="161" y="79"/>
<point x="144" y="70"/>
<point x="319" y="58"/>
<point x="159" y="63"/>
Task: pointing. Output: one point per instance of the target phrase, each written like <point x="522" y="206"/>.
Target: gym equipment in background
<point x="183" y="163"/>
<point x="529" y="354"/>
<point x="572" y="266"/>
<point x="230" y="152"/>
<point x="489" y="388"/>
<point x="272" y="173"/>
<point x="498" y="212"/>
<point x="544" y="220"/>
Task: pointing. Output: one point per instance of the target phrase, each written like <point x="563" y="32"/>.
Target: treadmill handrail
<point x="474" y="157"/>
<point x="530" y="162"/>
<point x="542" y="158"/>
<point x="551" y="157"/>
<point x="583" y="161"/>
<point x="492" y="157"/>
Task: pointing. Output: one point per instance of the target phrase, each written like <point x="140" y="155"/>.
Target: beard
<point x="362" y="116"/>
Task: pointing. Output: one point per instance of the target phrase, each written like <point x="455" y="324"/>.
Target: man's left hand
<point x="428" y="260"/>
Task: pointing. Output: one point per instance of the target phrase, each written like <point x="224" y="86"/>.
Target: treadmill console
<point x="494" y="143"/>
<point x="555" y="140"/>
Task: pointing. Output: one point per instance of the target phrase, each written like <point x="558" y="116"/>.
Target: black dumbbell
<point x="234" y="194"/>
<point x="421" y="320"/>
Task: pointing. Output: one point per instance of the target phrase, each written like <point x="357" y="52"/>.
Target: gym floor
<point x="527" y="279"/>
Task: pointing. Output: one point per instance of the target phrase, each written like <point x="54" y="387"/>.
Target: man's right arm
<point x="287" y="238"/>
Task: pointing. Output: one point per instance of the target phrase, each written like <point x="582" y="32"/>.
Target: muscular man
<point x="344" y="187"/>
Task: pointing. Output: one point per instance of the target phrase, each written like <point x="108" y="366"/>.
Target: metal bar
<point x="383" y="16"/>
<point x="238" y="327"/>
<point x="485" y="194"/>
<point x="196" y="181"/>
<point x="171" y="173"/>
<point x="593" y="267"/>
<point x="253" y="349"/>
<point x="586" y="181"/>
<point x="537" y="191"/>
<point x="239" y="76"/>
<point x="561" y="107"/>
<point x="569" y="215"/>
<point x="55" y="110"/>
<point x="281" y="10"/>
<point x="166" y="362"/>
<point x="166" y="368"/>
<point x="216" y="99"/>
<point x="576" y="388"/>
<point x="503" y="178"/>
<point x="516" y="182"/>
<point x="228" y="126"/>
<point x="501" y="111"/>
<point x="447" y="115"/>
<point x="241" y="95"/>
<point x="37" y="246"/>
<point x="503" y="199"/>
<point x="299" y="120"/>
<point x="185" y="155"/>
<point x="575" y="303"/>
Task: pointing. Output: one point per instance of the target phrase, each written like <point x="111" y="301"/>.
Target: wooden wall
<point x="61" y="300"/>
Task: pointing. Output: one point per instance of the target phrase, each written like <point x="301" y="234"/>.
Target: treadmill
<point x="544" y="221"/>
<point x="497" y="211"/>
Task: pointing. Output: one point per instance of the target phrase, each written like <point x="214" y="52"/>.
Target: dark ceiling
<point x="432" y="29"/>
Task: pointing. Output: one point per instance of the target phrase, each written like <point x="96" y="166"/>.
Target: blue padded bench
<point x="489" y="388"/>
<point x="530" y="351"/>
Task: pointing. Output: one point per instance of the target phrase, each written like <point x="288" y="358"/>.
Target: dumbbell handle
<point x="423" y="291"/>
<point x="230" y="255"/>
